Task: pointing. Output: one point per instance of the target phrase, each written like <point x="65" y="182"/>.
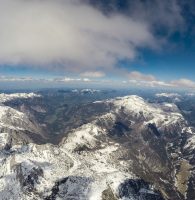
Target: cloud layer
<point x="133" y="79"/>
<point x="184" y="83"/>
<point x="84" y="38"/>
<point x="141" y="77"/>
<point x="149" y="80"/>
<point x="93" y="74"/>
<point x="69" y="34"/>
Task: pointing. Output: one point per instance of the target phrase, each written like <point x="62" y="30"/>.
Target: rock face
<point x="124" y="148"/>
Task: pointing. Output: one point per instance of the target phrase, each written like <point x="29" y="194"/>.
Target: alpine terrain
<point x="60" y="146"/>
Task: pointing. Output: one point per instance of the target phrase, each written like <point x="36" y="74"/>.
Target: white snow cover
<point x="191" y="141"/>
<point x="83" y="136"/>
<point x="160" y="114"/>
<point x="3" y="140"/>
<point x="11" y="118"/>
<point x="99" y="164"/>
<point x="169" y="95"/>
<point x="89" y="91"/>
<point x="7" y="97"/>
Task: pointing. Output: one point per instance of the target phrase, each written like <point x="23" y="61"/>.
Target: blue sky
<point x="85" y="43"/>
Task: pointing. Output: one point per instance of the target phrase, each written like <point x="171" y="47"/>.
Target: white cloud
<point x="148" y="80"/>
<point x="134" y="79"/>
<point x="184" y="83"/>
<point x="93" y="74"/>
<point x="67" y="34"/>
<point x="160" y="84"/>
<point x="135" y="75"/>
<point x="141" y="79"/>
<point x="33" y="79"/>
<point x="14" y="79"/>
<point x="68" y="79"/>
<point x="143" y="83"/>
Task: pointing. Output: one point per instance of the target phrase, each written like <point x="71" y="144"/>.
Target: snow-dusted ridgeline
<point x="7" y="97"/>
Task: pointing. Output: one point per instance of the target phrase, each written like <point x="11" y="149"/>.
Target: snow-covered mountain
<point x="129" y="149"/>
<point x="170" y="95"/>
<point x="7" y="97"/>
<point x="14" y="122"/>
<point x="175" y="97"/>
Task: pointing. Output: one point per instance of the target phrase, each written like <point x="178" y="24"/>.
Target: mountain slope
<point x="129" y="149"/>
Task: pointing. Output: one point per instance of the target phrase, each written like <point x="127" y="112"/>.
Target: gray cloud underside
<point x="68" y="34"/>
<point x="75" y="35"/>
